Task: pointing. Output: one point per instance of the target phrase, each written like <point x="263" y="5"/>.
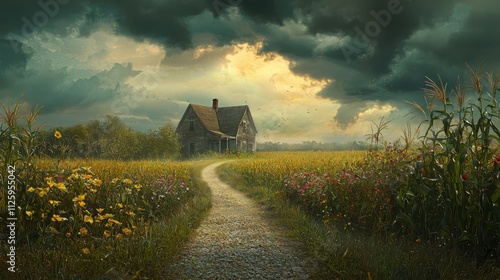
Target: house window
<point x="245" y="127"/>
<point x="191" y="125"/>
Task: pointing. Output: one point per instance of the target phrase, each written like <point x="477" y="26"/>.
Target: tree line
<point x="111" y="139"/>
<point x="311" y="146"/>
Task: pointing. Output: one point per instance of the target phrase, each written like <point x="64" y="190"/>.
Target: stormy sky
<point x="318" y="70"/>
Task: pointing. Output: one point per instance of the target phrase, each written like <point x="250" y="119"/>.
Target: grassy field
<point x="128" y="219"/>
<point x="85" y="219"/>
<point x="344" y="207"/>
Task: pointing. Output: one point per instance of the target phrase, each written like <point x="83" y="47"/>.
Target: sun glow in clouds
<point x="284" y="105"/>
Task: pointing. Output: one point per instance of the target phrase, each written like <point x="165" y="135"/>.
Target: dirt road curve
<point x="236" y="242"/>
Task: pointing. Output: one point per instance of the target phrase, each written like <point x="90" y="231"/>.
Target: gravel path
<point x="236" y="242"/>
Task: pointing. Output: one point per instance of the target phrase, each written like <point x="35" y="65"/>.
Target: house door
<point x="191" y="149"/>
<point x="214" y="146"/>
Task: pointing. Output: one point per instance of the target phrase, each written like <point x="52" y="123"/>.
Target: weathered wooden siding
<point x="192" y="142"/>
<point x="246" y="136"/>
<point x="200" y="140"/>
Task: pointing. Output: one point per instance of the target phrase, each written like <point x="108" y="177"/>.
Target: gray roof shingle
<point x="207" y="116"/>
<point x="230" y="118"/>
<point x="224" y="122"/>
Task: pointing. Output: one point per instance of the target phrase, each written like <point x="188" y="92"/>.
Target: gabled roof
<point x="223" y="122"/>
<point x="230" y="118"/>
<point x="207" y="116"/>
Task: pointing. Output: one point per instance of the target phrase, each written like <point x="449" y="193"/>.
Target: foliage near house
<point x="110" y="139"/>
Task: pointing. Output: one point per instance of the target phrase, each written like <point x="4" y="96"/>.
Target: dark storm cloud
<point x="260" y="11"/>
<point x="22" y="18"/>
<point x="165" y="21"/>
<point x="158" y="21"/>
<point x="287" y="45"/>
<point x="41" y="87"/>
<point x="392" y="68"/>
<point x="477" y="43"/>
<point x="408" y="40"/>
<point x="13" y="64"/>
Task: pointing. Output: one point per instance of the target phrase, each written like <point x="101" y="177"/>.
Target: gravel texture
<point x="236" y="242"/>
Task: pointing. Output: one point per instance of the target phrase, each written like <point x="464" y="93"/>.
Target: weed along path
<point x="236" y="242"/>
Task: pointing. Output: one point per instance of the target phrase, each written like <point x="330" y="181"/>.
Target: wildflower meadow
<point x="82" y="217"/>
<point x="438" y="184"/>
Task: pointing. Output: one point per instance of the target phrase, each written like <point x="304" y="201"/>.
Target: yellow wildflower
<point x="87" y="169"/>
<point x="62" y="187"/>
<point x="96" y="182"/>
<point x="88" y="219"/>
<point x="113" y="221"/>
<point x="127" y="181"/>
<point x="126" y="231"/>
<point x="86" y="251"/>
<point x="107" y="233"/>
<point x="108" y="215"/>
<point x="50" y="183"/>
<point x="119" y="236"/>
<point x="99" y="210"/>
<point x="31" y="189"/>
<point x="58" y="218"/>
<point x="42" y="191"/>
<point x="93" y="190"/>
<point x="86" y="176"/>
<point x="137" y="187"/>
<point x="54" y="202"/>
<point x="30" y="214"/>
<point x="57" y="134"/>
<point x="82" y="203"/>
<point x="120" y="205"/>
<point x="83" y="231"/>
<point x="79" y="198"/>
<point x="131" y="214"/>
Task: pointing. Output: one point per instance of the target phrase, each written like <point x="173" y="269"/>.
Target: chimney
<point x="215" y="104"/>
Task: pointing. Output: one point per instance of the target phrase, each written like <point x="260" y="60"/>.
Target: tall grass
<point x="346" y="251"/>
<point x="88" y="219"/>
<point x="442" y="188"/>
<point x="453" y="190"/>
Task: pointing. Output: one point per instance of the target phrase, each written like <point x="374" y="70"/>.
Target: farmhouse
<point x="218" y="129"/>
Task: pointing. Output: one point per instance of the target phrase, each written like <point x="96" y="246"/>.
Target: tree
<point x="169" y="142"/>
